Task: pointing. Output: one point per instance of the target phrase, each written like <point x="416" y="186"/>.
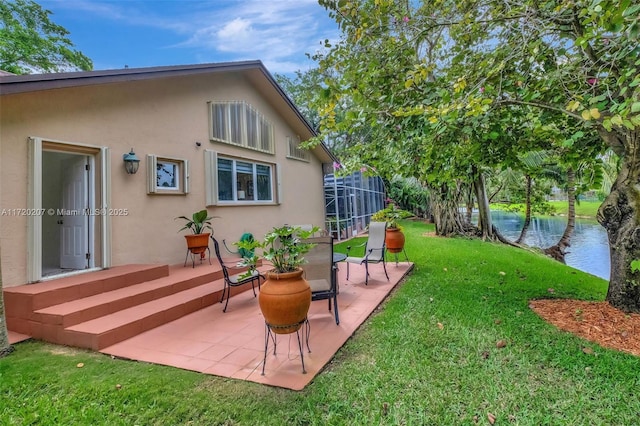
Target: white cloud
<point x="238" y="29"/>
<point x="278" y="32"/>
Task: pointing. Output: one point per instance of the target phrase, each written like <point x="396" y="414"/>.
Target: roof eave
<point x="14" y="84"/>
<point x="11" y="84"/>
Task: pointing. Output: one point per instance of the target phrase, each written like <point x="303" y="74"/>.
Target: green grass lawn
<point x="427" y="357"/>
<point x="584" y="209"/>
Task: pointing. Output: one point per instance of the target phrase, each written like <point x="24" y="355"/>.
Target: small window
<point x="167" y="175"/>
<point x="231" y="180"/>
<point x="294" y="150"/>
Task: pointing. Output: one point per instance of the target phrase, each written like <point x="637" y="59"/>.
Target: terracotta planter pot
<point x="284" y="301"/>
<point x="198" y="243"/>
<point x="394" y="240"/>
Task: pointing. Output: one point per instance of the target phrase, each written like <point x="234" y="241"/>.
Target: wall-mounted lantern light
<point x="131" y="162"/>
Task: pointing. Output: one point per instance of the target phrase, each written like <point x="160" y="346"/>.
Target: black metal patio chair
<point x="235" y="280"/>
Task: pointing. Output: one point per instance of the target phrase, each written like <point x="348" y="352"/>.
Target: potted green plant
<point x="394" y="237"/>
<point x="285" y="296"/>
<point x="198" y="223"/>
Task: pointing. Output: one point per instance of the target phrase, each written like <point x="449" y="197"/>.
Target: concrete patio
<point x="231" y="344"/>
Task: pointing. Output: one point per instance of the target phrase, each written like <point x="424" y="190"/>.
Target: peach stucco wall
<point x="164" y="117"/>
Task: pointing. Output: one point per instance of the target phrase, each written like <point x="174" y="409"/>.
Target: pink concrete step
<point x="118" y="326"/>
<point x="110" y="329"/>
<point x="22" y="301"/>
<point x="125" y="306"/>
<point x="88" y="308"/>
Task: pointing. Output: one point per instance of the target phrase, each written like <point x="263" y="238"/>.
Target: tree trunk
<point x="470" y="204"/>
<point x="484" y="211"/>
<point x="527" y="212"/>
<point x="469" y="210"/>
<point x="559" y="250"/>
<point x="5" y="347"/>
<point x="446" y="215"/>
<point x="619" y="215"/>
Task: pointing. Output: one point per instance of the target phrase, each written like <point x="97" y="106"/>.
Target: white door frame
<point x="34" y="200"/>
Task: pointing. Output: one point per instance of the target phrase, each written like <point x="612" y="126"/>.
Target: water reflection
<point x="589" y="249"/>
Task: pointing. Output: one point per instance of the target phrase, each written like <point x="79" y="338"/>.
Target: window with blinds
<point x="294" y="150"/>
<point x="238" y="123"/>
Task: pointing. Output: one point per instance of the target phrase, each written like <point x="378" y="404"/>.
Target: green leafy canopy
<point x="31" y="43"/>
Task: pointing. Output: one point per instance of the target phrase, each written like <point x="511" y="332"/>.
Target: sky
<point x="146" y="33"/>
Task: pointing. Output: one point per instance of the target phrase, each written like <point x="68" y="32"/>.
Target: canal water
<point x="589" y="249"/>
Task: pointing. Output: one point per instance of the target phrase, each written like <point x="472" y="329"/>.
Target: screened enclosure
<point x="350" y="201"/>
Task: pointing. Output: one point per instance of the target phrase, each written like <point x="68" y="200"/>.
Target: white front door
<point x="73" y="219"/>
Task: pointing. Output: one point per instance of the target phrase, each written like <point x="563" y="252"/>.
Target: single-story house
<point x="220" y="136"/>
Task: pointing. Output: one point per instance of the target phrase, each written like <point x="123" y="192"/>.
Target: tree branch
<point x="540" y="105"/>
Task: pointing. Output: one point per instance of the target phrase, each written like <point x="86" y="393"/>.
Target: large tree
<point x="31" y="43"/>
<point x="456" y="63"/>
<point x="389" y="75"/>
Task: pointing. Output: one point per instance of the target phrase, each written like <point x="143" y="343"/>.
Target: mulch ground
<point x="598" y="322"/>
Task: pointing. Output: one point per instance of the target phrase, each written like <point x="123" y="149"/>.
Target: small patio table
<point x="339" y="257"/>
